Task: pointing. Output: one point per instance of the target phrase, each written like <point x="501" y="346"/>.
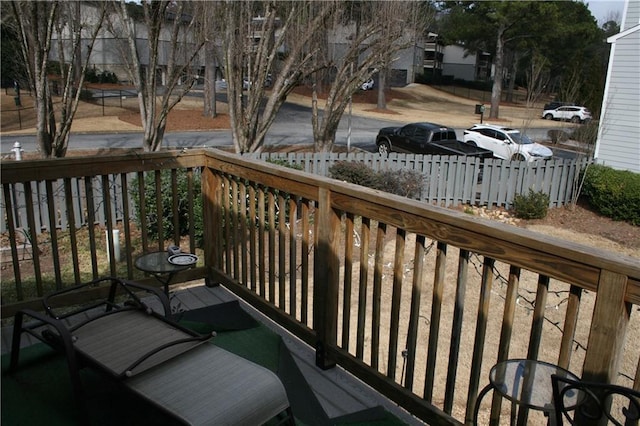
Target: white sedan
<point x="506" y="143"/>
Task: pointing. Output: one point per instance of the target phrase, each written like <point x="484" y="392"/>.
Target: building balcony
<point x="416" y="301"/>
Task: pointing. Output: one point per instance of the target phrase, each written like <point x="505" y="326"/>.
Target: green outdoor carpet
<point x="39" y="393"/>
<point x="222" y="317"/>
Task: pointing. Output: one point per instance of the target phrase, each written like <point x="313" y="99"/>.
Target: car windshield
<point x="520" y="139"/>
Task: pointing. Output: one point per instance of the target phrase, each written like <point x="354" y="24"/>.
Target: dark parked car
<point x="425" y="138"/>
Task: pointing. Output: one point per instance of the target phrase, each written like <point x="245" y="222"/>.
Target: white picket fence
<point x="448" y="181"/>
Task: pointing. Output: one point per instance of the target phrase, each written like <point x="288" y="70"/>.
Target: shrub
<point x="352" y="172"/>
<point x="93" y="76"/>
<point x="557" y="135"/>
<point x="531" y="206"/>
<point x="407" y="183"/>
<point x="167" y="205"/>
<point x="613" y="193"/>
<point x="86" y="95"/>
<point x="586" y="133"/>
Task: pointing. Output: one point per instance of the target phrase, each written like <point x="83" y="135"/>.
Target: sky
<point x="602" y="9"/>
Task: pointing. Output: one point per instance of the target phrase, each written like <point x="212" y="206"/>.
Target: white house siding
<point x="618" y="143"/>
<point x="631" y="15"/>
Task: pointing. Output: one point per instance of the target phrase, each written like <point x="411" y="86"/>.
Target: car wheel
<point x="575" y="119"/>
<point x="384" y="149"/>
<point x="518" y="157"/>
<point x="472" y="143"/>
<point x="548" y="117"/>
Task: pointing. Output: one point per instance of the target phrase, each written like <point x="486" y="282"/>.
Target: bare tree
<point x="166" y="39"/>
<point x="47" y="29"/>
<point x="383" y="30"/>
<point x="267" y="43"/>
<point x="537" y="78"/>
<point x="212" y="23"/>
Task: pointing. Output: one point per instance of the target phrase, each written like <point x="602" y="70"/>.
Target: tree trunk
<point x="512" y="76"/>
<point x="382" y="84"/>
<point x="210" y="81"/>
<point x="496" y="91"/>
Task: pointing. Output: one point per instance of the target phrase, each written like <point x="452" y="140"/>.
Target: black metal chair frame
<point x="54" y="329"/>
<point x="593" y="402"/>
<point x="139" y="348"/>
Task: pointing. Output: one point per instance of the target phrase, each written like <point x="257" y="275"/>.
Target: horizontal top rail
<point x="69" y="167"/>
<point x="564" y="260"/>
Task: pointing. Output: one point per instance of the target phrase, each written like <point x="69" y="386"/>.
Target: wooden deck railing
<point x="416" y="300"/>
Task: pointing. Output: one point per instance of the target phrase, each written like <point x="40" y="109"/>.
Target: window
<point x="407" y="131"/>
<point x="501" y="136"/>
<point x="421" y="133"/>
<point x="488" y="132"/>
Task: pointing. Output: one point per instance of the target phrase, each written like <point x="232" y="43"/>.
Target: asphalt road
<point x="292" y="126"/>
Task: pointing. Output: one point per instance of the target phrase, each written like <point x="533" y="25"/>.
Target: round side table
<point x="524" y="382"/>
<point x="157" y="264"/>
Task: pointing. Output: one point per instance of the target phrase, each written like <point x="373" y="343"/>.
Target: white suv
<point x="575" y="114"/>
<point x="506" y="143"/>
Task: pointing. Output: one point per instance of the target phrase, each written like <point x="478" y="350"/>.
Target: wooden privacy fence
<point x="451" y="180"/>
<point x="30" y="202"/>
<point x="448" y="181"/>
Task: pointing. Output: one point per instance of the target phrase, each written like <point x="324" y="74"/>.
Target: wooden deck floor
<point x="339" y="392"/>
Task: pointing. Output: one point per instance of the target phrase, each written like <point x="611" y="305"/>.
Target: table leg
<point x="164" y="282"/>
<point x="481" y="395"/>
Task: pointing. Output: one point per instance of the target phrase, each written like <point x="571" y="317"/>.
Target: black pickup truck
<point x="425" y="138"/>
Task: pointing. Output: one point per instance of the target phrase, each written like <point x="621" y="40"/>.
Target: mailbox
<point x="479" y="109"/>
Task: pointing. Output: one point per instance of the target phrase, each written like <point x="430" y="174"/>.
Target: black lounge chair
<point x="176" y="369"/>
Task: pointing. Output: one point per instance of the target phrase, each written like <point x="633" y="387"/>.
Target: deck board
<point x="338" y="392"/>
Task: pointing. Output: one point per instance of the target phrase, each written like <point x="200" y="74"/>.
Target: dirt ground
<point x="412" y="103"/>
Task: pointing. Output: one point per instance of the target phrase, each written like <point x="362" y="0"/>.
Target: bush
<point x="586" y="133"/>
<point x="352" y="172"/>
<point x="531" y="206"/>
<point x="558" y="135"/>
<point x="407" y="183"/>
<point x="613" y="193"/>
<point x="93" y="76"/>
<point x="167" y="205"/>
<point x="86" y="95"/>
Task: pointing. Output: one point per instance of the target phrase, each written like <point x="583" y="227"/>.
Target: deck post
<point x="326" y="274"/>
<point x="608" y="329"/>
<point x="211" y="221"/>
<point x="607" y="335"/>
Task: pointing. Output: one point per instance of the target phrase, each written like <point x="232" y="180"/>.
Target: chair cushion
<point x="211" y="386"/>
<point x="120" y="339"/>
